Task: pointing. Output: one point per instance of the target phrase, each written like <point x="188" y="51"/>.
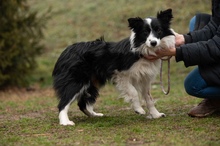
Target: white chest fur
<point x="144" y="69"/>
<point x="139" y="71"/>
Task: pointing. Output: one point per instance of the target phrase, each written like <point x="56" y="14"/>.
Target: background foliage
<point x="20" y="35"/>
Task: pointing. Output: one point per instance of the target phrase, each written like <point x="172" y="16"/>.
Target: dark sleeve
<point x="203" y="52"/>
<point x="216" y="11"/>
<point x="203" y="34"/>
<point x="210" y="29"/>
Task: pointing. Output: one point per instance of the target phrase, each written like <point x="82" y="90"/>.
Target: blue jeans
<point x="192" y="23"/>
<point x="194" y="84"/>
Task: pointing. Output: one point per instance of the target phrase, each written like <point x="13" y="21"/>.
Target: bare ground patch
<point x="17" y="103"/>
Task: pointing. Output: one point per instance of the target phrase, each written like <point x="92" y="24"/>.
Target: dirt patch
<point x="31" y="115"/>
<point x="19" y="103"/>
<point x="25" y="93"/>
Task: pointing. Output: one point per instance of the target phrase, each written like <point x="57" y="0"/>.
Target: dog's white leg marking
<point x="153" y="112"/>
<point x="63" y="116"/>
<point x="89" y="108"/>
<point x="152" y="109"/>
<point x="129" y="92"/>
<point x="135" y="102"/>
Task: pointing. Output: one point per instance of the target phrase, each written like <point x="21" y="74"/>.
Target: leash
<point x="168" y="75"/>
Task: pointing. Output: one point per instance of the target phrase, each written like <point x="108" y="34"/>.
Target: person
<point x="200" y="48"/>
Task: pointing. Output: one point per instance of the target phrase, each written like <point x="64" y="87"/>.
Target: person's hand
<point x="161" y="53"/>
<point x="179" y="39"/>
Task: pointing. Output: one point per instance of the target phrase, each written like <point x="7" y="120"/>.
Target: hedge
<point x="20" y="35"/>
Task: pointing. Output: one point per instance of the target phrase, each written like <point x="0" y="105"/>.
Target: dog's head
<point x="149" y="32"/>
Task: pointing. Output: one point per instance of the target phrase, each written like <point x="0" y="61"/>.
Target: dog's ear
<point x="165" y="16"/>
<point x="135" y="23"/>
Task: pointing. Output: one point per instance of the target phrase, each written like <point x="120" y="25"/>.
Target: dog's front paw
<point x="156" y="116"/>
<point x="140" y="111"/>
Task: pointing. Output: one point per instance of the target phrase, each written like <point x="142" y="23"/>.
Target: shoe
<point x="205" y="108"/>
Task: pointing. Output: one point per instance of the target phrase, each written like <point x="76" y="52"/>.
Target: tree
<point x="20" y="35"/>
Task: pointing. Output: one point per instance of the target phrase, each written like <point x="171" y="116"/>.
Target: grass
<point x="31" y="117"/>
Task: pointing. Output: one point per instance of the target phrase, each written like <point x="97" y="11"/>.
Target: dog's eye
<point x="146" y="33"/>
<point x="159" y="31"/>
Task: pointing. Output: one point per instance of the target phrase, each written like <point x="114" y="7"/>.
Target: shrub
<point x="20" y="35"/>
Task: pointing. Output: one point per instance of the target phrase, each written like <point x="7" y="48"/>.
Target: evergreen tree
<point x="20" y="34"/>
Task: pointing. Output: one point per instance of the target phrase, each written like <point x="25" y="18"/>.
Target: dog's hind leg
<point x="67" y="95"/>
<point x="89" y="111"/>
<point x="63" y="112"/>
<point x="87" y="100"/>
<point x="63" y="116"/>
<point x="153" y="112"/>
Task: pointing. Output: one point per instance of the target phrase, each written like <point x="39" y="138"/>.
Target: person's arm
<point x="200" y="53"/>
<point x="203" y="34"/>
<point x="210" y="29"/>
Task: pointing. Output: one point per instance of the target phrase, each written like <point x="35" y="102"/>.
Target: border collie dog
<point x="84" y="67"/>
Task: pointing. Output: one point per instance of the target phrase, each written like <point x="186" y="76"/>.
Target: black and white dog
<point x="84" y="67"/>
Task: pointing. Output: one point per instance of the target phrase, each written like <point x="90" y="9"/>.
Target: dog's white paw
<point x="65" y="123"/>
<point x="140" y="111"/>
<point x="64" y="120"/>
<point x="156" y="116"/>
<point x="90" y="112"/>
<point x="97" y="114"/>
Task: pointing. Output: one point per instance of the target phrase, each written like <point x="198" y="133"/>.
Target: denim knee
<point x="189" y="88"/>
<point x="194" y="83"/>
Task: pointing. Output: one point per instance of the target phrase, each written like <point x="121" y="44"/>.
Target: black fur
<point x="83" y="62"/>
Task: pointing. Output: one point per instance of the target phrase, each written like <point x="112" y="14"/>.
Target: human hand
<point x="161" y="53"/>
<point x="179" y="39"/>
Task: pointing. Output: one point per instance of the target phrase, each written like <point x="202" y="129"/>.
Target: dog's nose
<point x="153" y="43"/>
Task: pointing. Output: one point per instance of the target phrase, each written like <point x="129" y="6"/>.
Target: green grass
<point x="31" y="118"/>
